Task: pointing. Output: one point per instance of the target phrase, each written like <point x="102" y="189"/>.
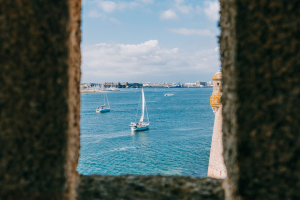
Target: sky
<point x="149" y="40"/>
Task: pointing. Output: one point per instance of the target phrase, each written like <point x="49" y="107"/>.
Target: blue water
<point x="177" y="143"/>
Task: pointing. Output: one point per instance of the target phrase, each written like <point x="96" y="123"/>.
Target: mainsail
<point x="143" y="106"/>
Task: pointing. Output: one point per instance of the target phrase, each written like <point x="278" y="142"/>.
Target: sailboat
<point x="104" y="108"/>
<point x="141" y="125"/>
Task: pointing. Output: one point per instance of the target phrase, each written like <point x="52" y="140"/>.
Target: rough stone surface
<point x="39" y="98"/>
<point x="216" y="167"/>
<point x="260" y="54"/>
<point x="148" y="187"/>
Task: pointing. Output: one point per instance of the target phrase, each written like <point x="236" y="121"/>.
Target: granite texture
<point x="39" y="98"/>
<point x="260" y="54"/>
<point x="132" y="187"/>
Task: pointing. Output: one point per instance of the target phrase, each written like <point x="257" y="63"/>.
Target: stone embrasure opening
<point x="39" y="99"/>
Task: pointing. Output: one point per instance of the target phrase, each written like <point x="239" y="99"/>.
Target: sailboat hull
<point x="105" y="110"/>
<point x="102" y="110"/>
<point x="143" y="128"/>
<point x="139" y="127"/>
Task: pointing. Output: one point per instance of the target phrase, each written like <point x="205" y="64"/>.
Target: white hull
<point x="102" y="110"/>
<point x="139" y="127"/>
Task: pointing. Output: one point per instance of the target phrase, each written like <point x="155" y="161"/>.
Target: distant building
<point x="161" y="85"/>
<point x="201" y="84"/>
<point x="189" y="85"/>
<point x="155" y="85"/>
<point x="131" y="85"/>
<point x="111" y="84"/>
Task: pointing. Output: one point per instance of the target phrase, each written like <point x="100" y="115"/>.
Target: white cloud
<point x="212" y="9"/>
<point x="181" y="7"/>
<point x="179" y="1"/>
<point x="144" y="62"/>
<point x="111" y="6"/>
<point x="178" y="5"/>
<point x="168" y="14"/>
<point x="95" y="14"/>
<point x="217" y="49"/>
<point x="107" y="6"/>
<point x="145" y="1"/>
<point x="185" y="31"/>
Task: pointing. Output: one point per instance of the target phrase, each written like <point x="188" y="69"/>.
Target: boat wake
<point x="123" y="149"/>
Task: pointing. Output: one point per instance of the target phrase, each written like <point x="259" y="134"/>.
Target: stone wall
<point x="39" y="98"/>
<point x="260" y="54"/>
<point x="216" y="168"/>
<point x="132" y="187"/>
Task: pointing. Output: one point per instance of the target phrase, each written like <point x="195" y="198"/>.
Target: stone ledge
<point x="148" y="187"/>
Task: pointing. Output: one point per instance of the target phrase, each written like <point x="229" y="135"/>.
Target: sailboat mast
<point x="104" y="99"/>
<point x="107" y="100"/>
<point x="143" y="106"/>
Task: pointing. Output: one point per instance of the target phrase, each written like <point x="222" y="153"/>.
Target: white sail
<point x="143" y="106"/>
<point x="141" y="126"/>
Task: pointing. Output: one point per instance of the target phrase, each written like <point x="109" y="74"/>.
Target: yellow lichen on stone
<point x="217" y="76"/>
<point x="215" y="100"/>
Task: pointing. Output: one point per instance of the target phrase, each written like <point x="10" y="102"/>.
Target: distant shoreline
<point x="92" y="91"/>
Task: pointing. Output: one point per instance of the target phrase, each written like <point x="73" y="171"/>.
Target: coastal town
<point x="114" y="86"/>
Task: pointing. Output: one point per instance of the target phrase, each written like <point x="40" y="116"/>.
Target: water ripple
<point x="177" y="143"/>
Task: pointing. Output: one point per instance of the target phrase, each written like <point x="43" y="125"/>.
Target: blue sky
<point x="149" y="40"/>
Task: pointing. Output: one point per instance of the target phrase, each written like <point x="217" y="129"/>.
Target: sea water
<point x="177" y="143"/>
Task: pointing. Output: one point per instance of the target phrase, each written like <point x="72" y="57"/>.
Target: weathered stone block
<point x="39" y="98"/>
<point x="260" y="54"/>
<point x="133" y="187"/>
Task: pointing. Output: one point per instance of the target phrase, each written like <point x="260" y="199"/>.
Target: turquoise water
<point x="177" y="143"/>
